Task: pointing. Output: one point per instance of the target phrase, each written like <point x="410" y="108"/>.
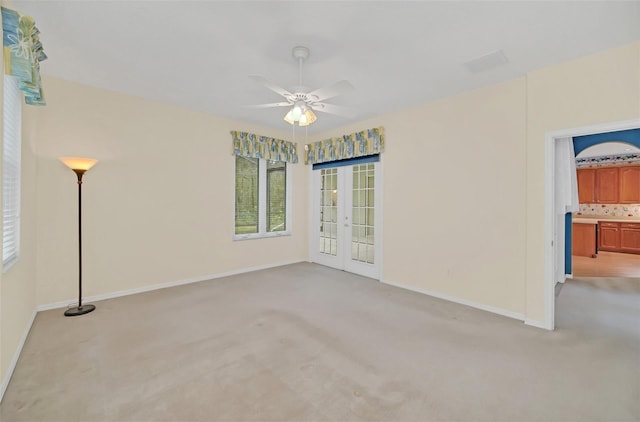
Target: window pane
<point x="246" y="195"/>
<point x="362" y="234"/>
<point x="329" y="211"/>
<point x="276" y="196"/>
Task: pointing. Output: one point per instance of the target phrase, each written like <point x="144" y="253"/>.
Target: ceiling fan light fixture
<point x="300" y="102"/>
<point x="307" y="118"/>
<point x="300" y="113"/>
<point x="297" y="110"/>
<point x="289" y="117"/>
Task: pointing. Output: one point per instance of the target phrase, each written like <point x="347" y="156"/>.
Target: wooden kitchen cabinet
<point x="609" y="236"/>
<point x="630" y="237"/>
<point x="583" y="240"/>
<point x="587" y="186"/>
<point x="607" y="185"/>
<point x="619" y="237"/>
<point x="630" y="185"/>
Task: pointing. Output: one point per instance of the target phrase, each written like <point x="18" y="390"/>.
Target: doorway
<point x="614" y="151"/>
<point x="553" y="264"/>
<point x="346" y="218"/>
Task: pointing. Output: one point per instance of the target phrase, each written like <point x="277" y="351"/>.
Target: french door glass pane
<point x="329" y="211"/>
<point x="362" y="214"/>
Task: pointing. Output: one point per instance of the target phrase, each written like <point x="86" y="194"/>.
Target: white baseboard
<point x="16" y="356"/>
<point x="537" y="324"/>
<point x="454" y="299"/>
<point x="105" y="296"/>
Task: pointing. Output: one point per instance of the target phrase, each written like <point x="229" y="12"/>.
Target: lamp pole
<point x="79" y="166"/>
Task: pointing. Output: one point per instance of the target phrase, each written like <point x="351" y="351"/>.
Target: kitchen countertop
<point x="593" y="219"/>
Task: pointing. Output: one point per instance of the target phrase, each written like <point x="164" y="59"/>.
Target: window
<point x="262" y="198"/>
<point x="12" y="134"/>
<point x="276" y="196"/>
<point x="247" y="195"/>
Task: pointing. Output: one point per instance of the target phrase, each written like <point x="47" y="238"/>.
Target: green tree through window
<point x="276" y="196"/>
<point x="246" y="195"/>
<point x="261" y="197"/>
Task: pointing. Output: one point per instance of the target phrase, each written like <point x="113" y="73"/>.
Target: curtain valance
<point x="359" y="144"/>
<point x="23" y="53"/>
<point x="256" y="146"/>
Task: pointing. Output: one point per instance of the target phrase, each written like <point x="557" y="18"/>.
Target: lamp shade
<point x="307" y="118"/>
<point x="78" y="163"/>
<point x="301" y="114"/>
<point x="289" y="117"/>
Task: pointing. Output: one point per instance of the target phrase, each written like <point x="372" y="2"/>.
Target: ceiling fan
<point x="303" y="104"/>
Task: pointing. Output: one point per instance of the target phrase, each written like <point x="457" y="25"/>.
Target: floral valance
<point x="255" y="146"/>
<point x="359" y="144"/>
<point x="23" y="53"/>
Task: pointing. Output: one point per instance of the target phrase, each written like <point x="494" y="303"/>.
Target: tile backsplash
<point x="612" y="210"/>
<point x="608" y="160"/>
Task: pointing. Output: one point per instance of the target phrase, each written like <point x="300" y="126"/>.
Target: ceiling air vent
<point x="487" y="62"/>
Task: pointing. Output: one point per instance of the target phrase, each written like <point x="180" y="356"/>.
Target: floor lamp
<point x="79" y="166"/>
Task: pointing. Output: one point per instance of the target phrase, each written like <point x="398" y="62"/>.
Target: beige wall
<point x="157" y="208"/>
<point x="592" y="90"/>
<point x="453" y="200"/>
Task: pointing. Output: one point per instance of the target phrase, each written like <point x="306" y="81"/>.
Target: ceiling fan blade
<point x="283" y="104"/>
<point x="334" y="109"/>
<point x="337" y="88"/>
<point x="275" y="88"/>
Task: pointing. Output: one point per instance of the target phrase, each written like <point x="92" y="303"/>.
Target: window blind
<point x="11" y="147"/>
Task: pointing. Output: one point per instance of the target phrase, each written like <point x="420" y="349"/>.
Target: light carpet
<point x="306" y="342"/>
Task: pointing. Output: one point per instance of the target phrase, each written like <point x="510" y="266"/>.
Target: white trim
<point x="595" y="129"/>
<point x="549" y="230"/>
<point x="16" y="356"/>
<point x="310" y="215"/>
<point x="380" y="217"/>
<point x="128" y="292"/>
<point x="549" y="199"/>
<point x="492" y="309"/>
<point x="535" y="323"/>
<point x="266" y="235"/>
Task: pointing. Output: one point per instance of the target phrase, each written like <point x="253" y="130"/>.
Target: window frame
<point x="12" y="132"/>
<point x="262" y="204"/>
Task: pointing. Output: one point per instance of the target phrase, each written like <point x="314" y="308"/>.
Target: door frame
<point x="378" y="218"/>
<point x="549" y="216"/>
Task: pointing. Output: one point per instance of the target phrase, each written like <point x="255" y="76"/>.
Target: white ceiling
<point x="199" y="54"/>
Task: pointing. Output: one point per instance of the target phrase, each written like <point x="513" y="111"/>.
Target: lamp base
<point x="79" y="310"/>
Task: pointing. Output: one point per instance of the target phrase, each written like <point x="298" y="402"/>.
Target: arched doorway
<point x="602" y="150"/>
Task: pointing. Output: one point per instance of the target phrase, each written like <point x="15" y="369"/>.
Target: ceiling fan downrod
<point x="301" y="53"/>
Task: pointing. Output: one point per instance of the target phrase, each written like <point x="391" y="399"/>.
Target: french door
<point x="346" y="218"/>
